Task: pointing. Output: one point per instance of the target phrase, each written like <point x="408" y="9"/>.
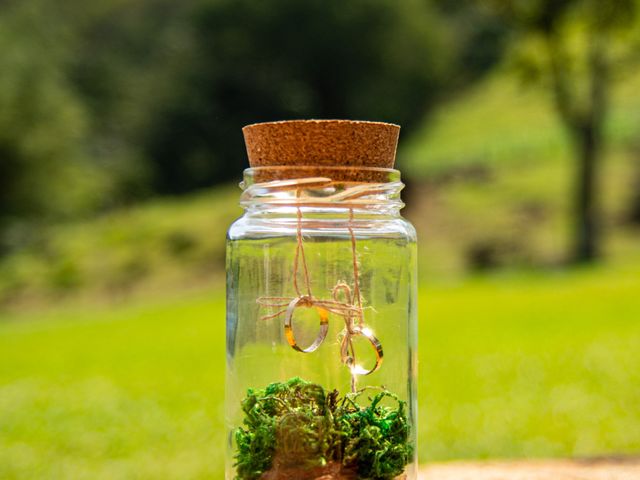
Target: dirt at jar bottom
<point x="298" y="430"/>
<point x="332" y="471"/>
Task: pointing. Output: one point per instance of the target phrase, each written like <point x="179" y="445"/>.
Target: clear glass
<point x="321" y="330"/>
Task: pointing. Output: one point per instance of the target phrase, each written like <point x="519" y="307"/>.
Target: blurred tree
<point x="42" y="126"/>
<point x="634" y="210"/>
<point x="103" y="103"/>
<point x="121" y="56"/>
<point x="479" y="41"/>
<point x="576" y="46"/>
<point x="285" y="59"/>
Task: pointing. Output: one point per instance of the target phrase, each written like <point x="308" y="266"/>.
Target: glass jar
<point x="321" y="328"/>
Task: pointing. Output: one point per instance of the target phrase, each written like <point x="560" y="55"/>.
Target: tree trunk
<point x="589" y="130"/>
<point x="586" y="234"/>
<point x="585" y="122"/>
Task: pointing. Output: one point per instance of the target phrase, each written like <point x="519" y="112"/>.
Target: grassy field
<point x="535" y="365"/>
<point x="134" y="392"/>
<point x="162" y="245"/>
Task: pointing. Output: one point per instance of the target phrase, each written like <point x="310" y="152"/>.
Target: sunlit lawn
<point x="527" y="365"/>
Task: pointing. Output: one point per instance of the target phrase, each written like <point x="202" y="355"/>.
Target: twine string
<point x="349" y="308"/>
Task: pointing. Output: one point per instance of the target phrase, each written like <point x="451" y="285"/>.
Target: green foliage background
<point x="105" y="104"/>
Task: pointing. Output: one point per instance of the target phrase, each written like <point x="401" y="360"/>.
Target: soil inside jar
<point x="331" y="471"/>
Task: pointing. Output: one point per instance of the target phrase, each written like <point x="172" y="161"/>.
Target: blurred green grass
<point x="133" y="392"/>
<point x="162" y="245"/>
<point x="540" y="365"/>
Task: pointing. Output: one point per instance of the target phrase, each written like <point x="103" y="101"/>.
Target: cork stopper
<point x="313" y="148"/>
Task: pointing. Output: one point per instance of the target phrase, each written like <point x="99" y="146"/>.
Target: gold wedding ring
<point x="348" y="360"/>
<point x="305" y="301"/>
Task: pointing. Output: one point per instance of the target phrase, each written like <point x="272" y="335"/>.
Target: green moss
<point x="297" y="424"/>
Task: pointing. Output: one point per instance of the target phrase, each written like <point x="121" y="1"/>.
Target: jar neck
<point x="322" y="191"/>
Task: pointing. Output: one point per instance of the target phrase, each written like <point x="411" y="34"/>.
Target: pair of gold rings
<point x="347" y="336"/>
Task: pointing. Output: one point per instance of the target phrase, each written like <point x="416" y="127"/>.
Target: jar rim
<point x="342" y="173"/>
<point x="321" y="187"/>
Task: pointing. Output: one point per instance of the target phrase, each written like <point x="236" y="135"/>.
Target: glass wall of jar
<point x="321" y="328"/>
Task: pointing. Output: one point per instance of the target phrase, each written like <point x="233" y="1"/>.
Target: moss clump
<point x="296" y="426"/>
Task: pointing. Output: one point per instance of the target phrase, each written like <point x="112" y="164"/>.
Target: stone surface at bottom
<point x="597" y="469"/>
